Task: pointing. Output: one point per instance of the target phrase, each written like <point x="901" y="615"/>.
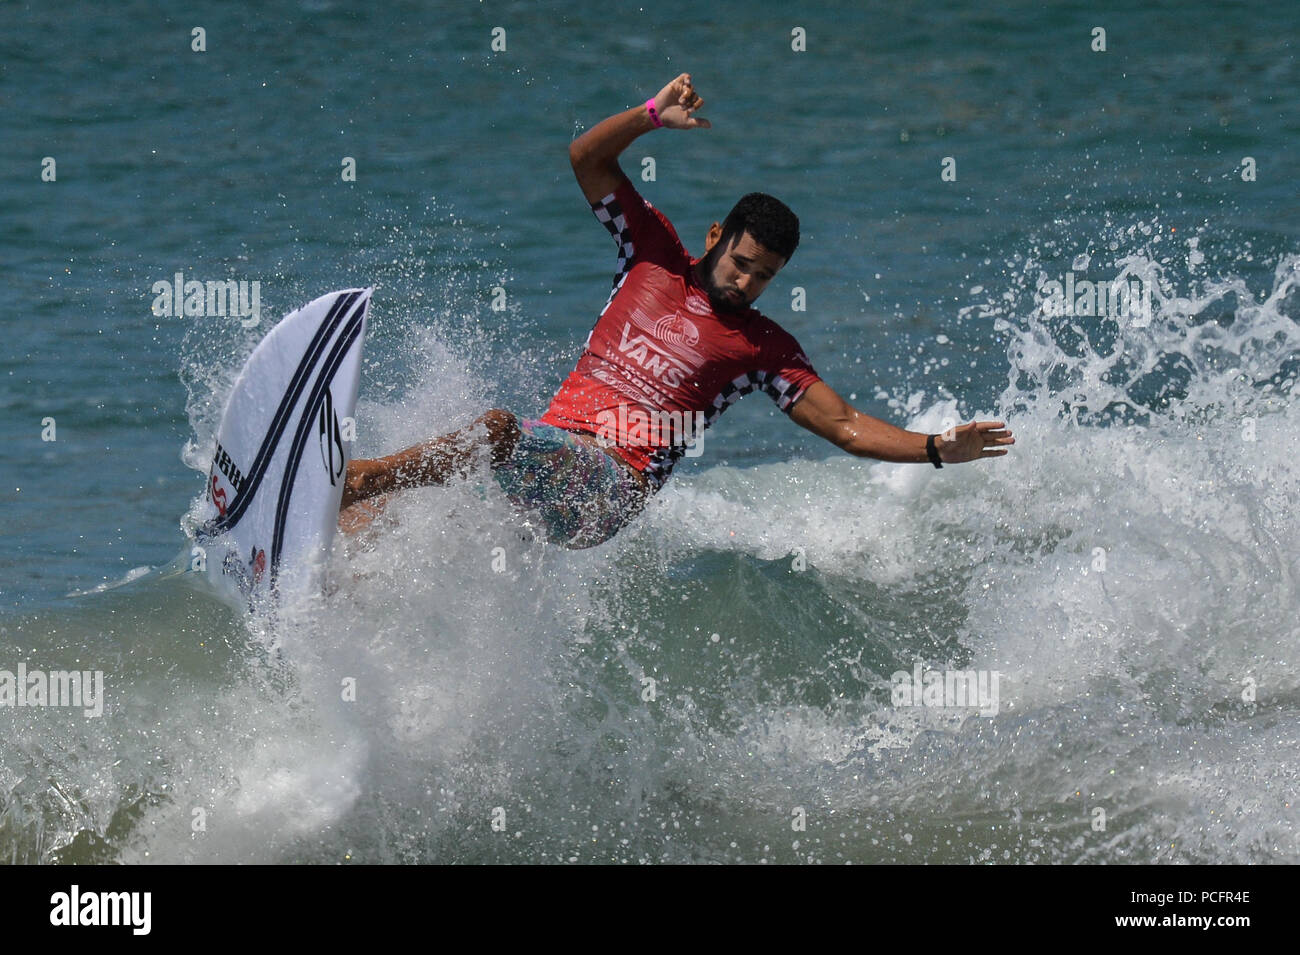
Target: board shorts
<point x="581" y="494"/>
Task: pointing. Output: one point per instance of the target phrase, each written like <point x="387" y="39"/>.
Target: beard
<point x="721" y="303"/>
<point x="718" y="293"/>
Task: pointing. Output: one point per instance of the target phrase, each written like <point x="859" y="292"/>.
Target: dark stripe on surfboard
<point x="284" y="412"/>
<point x="280" y="420"/>
<point x="337" y="354"/>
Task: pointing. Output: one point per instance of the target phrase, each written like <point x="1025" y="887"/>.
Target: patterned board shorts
<point x="582" y="495"/>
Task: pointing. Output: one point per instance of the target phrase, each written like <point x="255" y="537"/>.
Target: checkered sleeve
<point x="640" y="231"/>
<point x="784" y="372"/>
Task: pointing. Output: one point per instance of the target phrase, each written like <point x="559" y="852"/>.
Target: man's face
<point x="736" y="275"/>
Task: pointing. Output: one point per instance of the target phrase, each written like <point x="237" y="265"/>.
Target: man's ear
<point x="710" y="240"/>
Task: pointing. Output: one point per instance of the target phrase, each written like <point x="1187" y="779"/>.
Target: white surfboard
<point x="282" y="452"/>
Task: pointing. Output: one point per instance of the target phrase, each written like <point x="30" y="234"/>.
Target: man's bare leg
<point x="434" y="462"/>
<point x="357" y="517"/>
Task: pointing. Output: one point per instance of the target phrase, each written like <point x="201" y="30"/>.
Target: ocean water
<point x="716" y="683"/>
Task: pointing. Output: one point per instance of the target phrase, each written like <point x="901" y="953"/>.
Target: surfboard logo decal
<point x="218" y="496"/>
<point x="246" y="575"/>
<point x="223" y="463"/>
<point x="330" y="438"/>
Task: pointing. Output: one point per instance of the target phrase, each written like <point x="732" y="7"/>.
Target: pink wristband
<point x="654" y="114"/>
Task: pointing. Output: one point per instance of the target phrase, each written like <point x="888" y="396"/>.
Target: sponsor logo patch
<point x="224" y="463"/>
<point x="330" y="437"/>
<point x="218" y="496"/>
<point x="247" y="575"/>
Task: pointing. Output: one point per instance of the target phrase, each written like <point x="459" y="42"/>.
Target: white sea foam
<point x="1129" y="570"/>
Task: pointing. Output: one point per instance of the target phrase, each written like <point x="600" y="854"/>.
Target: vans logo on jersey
<point x="651" y="356"/>
<point x="677" y="329"/>
<point x="673" y="335"/>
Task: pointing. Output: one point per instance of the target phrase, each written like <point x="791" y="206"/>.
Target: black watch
<point x="932" y="452"/>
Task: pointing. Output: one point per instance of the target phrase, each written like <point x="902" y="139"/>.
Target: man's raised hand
<point x="677" y="102"/>
<point x="971" y="442"/>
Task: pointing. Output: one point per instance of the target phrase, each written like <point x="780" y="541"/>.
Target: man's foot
<point x="356" y="518"/>
<point x="362" y="481"/>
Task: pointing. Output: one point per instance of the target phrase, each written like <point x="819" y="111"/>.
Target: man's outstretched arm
<point x="826" y="414"/>
<point x="595" y="153"/>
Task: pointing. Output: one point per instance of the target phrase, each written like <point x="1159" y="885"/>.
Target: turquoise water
<point x="1123" y="671"/>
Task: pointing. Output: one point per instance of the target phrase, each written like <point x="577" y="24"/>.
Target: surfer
<point x="676" y="344"/>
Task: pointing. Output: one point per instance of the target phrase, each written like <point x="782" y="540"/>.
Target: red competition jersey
<point x="660" y="364"/>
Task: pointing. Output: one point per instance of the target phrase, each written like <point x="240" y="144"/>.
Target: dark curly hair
<point x="767" y="219"/>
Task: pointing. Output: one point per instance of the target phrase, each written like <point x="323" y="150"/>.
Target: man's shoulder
<point x="771" y="337"/>
<point x="646" y="231"/>
<point x="765" y="326"/>
<point x="623" y="195"/>
<point x="628" y="199"/>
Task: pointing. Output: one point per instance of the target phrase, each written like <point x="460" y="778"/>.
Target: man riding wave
<point x="675" y="345"/>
